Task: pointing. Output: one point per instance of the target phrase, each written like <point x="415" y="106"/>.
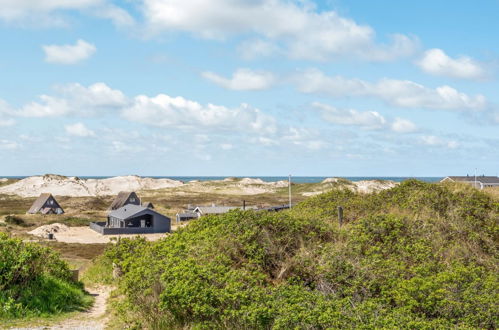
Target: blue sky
<point x="238" y="87"/>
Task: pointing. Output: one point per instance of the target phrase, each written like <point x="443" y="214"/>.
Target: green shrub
<point x="34" y="281"/>
<point x="416" y="256"/>
<point x="15" y="220"/>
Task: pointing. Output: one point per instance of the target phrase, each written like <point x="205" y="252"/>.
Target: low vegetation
<point x="34" y="282"/>
<point x="416" y="256"/>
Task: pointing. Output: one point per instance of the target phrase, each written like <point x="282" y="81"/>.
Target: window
<point x="132" y="199"/>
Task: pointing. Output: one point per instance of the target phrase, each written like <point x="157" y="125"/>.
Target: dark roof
<point x="131" y="210"/>
<point x="40" y="201"/>
<point x="149" y="205"/>
<point x="121" y="199"/>
<point x="471" y="178"/>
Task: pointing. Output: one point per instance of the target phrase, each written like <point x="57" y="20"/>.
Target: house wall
<point x="161" y="224"/>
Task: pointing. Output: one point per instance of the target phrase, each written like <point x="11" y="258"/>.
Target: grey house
<point x="46" y="204"/>
<point x="480" y="181"/>
<point x="186" y="216"/>
<point x="133" y="219"/>
<point x="124" y="198"/>
<point x="205" y="210"/>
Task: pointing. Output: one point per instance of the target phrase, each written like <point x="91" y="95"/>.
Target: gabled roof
<point x="40" y="201"/>
<point x="130" y="210"/>
<point x="482" y="179"/>
<point x="121" y="199"/>
<point x="149" y="205"/>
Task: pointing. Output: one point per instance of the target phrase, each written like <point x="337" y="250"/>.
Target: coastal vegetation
<point x="418" y="255"/>
<point x="35" y="282"/>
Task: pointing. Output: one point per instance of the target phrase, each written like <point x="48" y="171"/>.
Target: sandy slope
<point x="76" y="187"/>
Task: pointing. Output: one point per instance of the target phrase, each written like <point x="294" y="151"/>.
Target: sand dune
<point x="76" y="187"/>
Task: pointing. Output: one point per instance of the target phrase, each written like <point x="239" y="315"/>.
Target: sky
<point x="249" y="88"/>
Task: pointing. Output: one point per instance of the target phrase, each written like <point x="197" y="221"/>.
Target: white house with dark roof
<point x="478" y="181"/>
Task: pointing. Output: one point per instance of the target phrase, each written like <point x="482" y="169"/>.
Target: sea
<point x="295" y="179"/>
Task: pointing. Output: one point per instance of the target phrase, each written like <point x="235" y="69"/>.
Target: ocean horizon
<point x="295" y="179"/>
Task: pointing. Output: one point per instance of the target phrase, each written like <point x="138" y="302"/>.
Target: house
<point x="46" y="204"/>
<point x="206" y="210"/>
<point x="149" y="205"/>
<point x="481" y="181"/>
<point x="186" y="216"/>
<point x="133" y="219"/>
<point x="124" y="198"/>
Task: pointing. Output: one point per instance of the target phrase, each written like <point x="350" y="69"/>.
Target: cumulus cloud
<point x="436" y="62"/>
<point x="435" y="141"/>
<point x="5" y="111"/>
<point x="69" y="54"/>
<point x="9" y="145"/>
<point x="166" y="111"/>
<point x="243" y="79"/>
<point x="304" y="137"/>
<point x="50" y="13"/>
<point x="371" y="120"/>
<point x="75" y="99"/>
<point x="79" y="129"/>
<point x="295" y="26"/>
<point x="400" y="93"/>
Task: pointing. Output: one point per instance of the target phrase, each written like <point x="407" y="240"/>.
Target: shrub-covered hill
<point x="34" y="281"/>
<point x="416" y="256"/>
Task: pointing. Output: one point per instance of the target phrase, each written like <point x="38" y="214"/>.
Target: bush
<point x="14" y="220"/>
<point x="34" y="281"/>
<point x="416" y="256"/>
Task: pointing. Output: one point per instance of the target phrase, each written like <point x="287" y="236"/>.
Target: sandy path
<point x="92" y="319"/>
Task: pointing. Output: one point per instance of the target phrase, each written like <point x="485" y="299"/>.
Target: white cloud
<point x="9" y="145"/>
<point x="79" y="129"/>
<point x="371" y="120"/>
<point x="5" y="110"/>
<point x="400" y="125"/>
<point x="69" y="54"/>
<point x="226" y="146"/>
<point x="243" y="79"/>
<point x="400" y="93"/>
<point x="51" y="12"/>
<point x="166" y="111"/>
<point x="305" y="138"/>
<point x="436" y="141"/>
<point x="436" y="62"/>
<point x="13" y="10"/>
<point x="77" y="100"/>
<point x="295" y="26"/>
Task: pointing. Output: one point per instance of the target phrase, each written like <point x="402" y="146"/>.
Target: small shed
<point x="46" y="204"/>
<point x="124" y="198"/>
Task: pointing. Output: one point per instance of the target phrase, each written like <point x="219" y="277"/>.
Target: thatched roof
<point x="123" y="199"/>
<point x="40" y="202"/>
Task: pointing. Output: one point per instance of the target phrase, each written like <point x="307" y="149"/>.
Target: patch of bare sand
<point x="85" y="235"/>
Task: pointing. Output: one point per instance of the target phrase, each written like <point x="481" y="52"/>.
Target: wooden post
<point x="340" y="215"/>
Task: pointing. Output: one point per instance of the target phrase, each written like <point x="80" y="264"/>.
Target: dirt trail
<point x="92" y="319"/>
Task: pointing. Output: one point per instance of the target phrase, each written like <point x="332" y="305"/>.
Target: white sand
<point x="76" y="187"/>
